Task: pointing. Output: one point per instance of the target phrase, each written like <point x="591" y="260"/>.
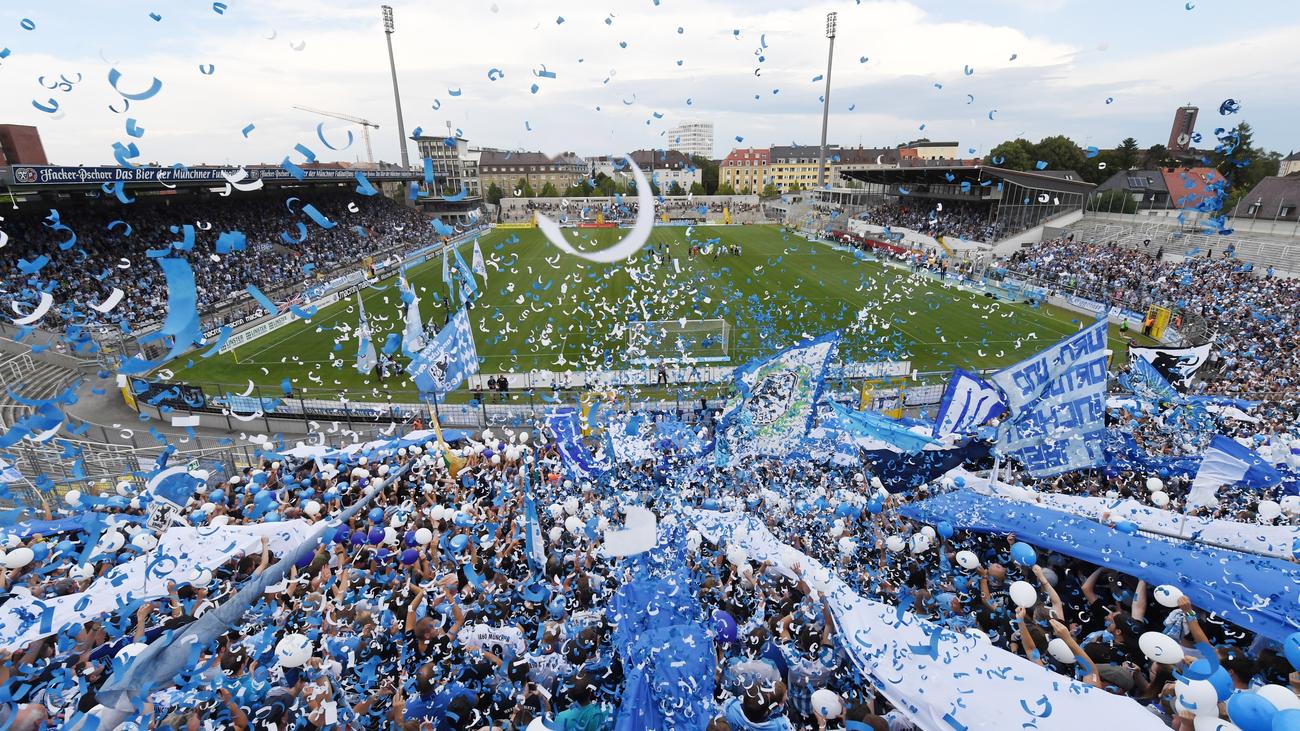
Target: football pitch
<point x="544" y="309"/>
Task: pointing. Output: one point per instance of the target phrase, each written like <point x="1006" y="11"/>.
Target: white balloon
<point x="18" y="558"/>
<point x="968" y="560"/>
<point x="928" y="531"/>
<point x="1023" y="594"/>
<point x="572" y="505"/>
<point x="1155" y="484"/>
<point x="390" y="536"/>
<point x="423" y="536"/>
<point x="919" y="543"/>
<point x="1213" y="723"/>
<point x="827" y="703"/>
<point x="202" y="578"/>
<point x="73" y="497"/>
<point x="737" y="557"/>
<point x="128" y="652"/>
<point x="293" y="650"/>
<point x="312" y="508"/>
<point x="556" y="510"/>
<point x="1268" y="509"/>
<point x="894" y="544"/>
<point x="1167" y="595"/>
<point x="573" y="524"/>
<point x="1159" y="499"/>
<point x="111" y="541"/>
<point x="144" y="541"/>
<point x="1198" y="696"/>
<point x="1291" y="504"/>
<point x="1281" y="697"/>
<point x="847" y="546"/>
<point x="693" y="540"/>
<point x="1112" y="494"/>
<point x="556" y="534"/>
<point x="1059" y="649"/>
<point x="219" y="521"/>
<point x="1160" y="647"/>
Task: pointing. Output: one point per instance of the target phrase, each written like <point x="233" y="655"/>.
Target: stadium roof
<point x="1188" y="187"/>
<point x="954" y="173"/>
<point x="1147" y="181"/>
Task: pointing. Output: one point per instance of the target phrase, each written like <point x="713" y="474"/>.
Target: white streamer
<point x="632" y="243"/>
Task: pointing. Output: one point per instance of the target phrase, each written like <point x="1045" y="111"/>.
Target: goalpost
<point x="678" y="341"/>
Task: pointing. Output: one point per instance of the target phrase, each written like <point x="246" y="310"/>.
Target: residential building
<point x="1290" y="164"/>
<point x="506" y="168"/>
<point x="1180" y="133"/>
<point x="455" y="164"/>
<point x="926" y="149"/>
<point x="1164" y="189"/>
<point x="1272" y="199"/>
<point x="665" y="167"/>
<point x="692" y="138"/>
<point x="794" y="167"/>
<point x="744" y="169"/>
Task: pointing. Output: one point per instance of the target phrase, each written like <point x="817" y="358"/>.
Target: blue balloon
<point x="1126" y="526"/>
<point x="875" y="506"/>
<point x="376" y="515"/>
<point x="358" y="538"/>
<point x="1024" y="553"/>
<point x="40" y="551"/>
<point x="1251" y="711"/>
<point x="1292" y="649"/>
<point x="945" y="529"/>
<point x="458" y="543"/>
<point x="304" y="561"/>
<point x="342" y="534"/>
<point x="65" y="546"/>
<point x="410" y="556"/>
<point x="1222" y="683"/>
<point x="1288" y="720"/>
<point x="959" y="481"/>
<point x="725" y="626"/>
<point x="376" y="536"/>
<point x="272" y="517"/>
<point x="409" y="538"/>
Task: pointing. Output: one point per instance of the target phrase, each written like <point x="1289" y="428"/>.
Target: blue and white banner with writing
<point x="967" y="402"/>
<point x="1057" y="400"/>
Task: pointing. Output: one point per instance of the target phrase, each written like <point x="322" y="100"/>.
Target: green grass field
<point x="544" y="309"/>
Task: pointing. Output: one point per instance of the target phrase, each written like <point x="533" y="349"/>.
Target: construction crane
<point x="365" y="125"/>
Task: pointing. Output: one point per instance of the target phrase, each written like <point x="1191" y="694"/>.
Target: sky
<point x="626" y="71"/>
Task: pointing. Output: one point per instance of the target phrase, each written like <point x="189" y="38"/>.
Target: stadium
<point x="925" y="436"/>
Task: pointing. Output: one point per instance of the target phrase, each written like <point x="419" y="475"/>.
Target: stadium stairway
<point x="30" y="379"/>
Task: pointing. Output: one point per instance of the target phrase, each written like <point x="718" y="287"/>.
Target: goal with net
<point x="678" y="341"/>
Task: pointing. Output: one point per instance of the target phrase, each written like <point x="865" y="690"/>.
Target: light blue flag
<point x="446" y="273"/>
<point x="413" y="337"/>
<point x="446" y="362"/>
<point x="1226" y="462"/>
<point x="367" y="358"/>
<point x="468" y="285"/>
<point x="967" y="402"/>
<point x="871" y="425"/>
<point x="1147" y="384"/>
<point x="534" y="546"/>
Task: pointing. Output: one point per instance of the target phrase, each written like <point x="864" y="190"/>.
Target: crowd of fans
<point x="423" y="611"/>
<point x="103" y="255"/>
<point x="1252" y="317"/>
<point x="965" y="221"/>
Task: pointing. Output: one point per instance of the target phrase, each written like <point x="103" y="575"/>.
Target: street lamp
<point x="826" y="99"/>
<point x="397" y="95"/>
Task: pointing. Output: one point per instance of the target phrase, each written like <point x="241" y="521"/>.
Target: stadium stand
<point x="742" y="209"/>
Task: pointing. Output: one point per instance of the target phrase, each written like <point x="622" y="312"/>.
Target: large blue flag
<point x="413" y="336"/>
<point x="1147" y="384"/>
<point x="878" y="427"/>
<point x="567" y="432"/>
<point x="1226" y="462"/>
<point x="367" y="357"/>
<point x="1057" y="400"/>
<point x="534" y="546"/>
<point x="468" y="285"/>
<point x="446" y="362"/>
<point x="967" y="402"/>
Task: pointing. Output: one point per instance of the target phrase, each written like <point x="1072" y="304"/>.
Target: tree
<point x="1126" y="155"/>
<point x="1156" y="156"/>
<point x="795" y="187"/>
<point x="1059" y="152"/>
<point x="549" y="191"/>
<point x="675" y="188"/>
<point x="697" y="189"/>
<point x="1237" y="159"/>
<point x="770" y="191"/>
<point x="494" y="194"/>
<point x="607" y="186"/>
<point x="1097" y="169"/>
<point x="725" y="189"/>
<point x="708" y="173"/>
<point x="1114" y="200"/>
<point x="1017" y="154"/>
<point x="525" y="190"/>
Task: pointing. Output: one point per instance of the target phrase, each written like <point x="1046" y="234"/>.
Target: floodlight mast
<point x="826" y="99"/>
<point x="397" y="94"/>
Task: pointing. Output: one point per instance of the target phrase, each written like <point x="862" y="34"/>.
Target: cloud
<point x="1052" y="85"/>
